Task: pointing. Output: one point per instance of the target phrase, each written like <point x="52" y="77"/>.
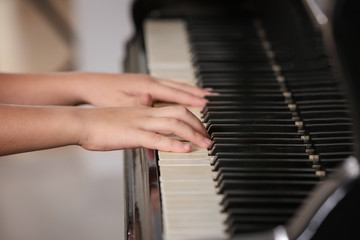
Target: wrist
<point x="27" y="128"/>
<point x="85" y="86"/>
<point x="77" y="86"/>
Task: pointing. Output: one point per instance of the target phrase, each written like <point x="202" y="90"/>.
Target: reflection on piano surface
<point x="281" y="124"/>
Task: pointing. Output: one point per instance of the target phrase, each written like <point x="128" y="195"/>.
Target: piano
<point x="284" y="158"/>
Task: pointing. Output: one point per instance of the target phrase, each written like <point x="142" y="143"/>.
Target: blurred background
<point x="63" y="193"/>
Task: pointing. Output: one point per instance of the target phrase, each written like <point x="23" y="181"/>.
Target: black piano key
<point x="206" y="48"/>
<point x="269" y="138"/>
<point x="265" y="176"/>
<point x="221" y="83"/>
<point x="247" y="114"/>
<point x="325" y="114"/>
<point x="233" y="203"/>
<point x="247" y="90"/>
<point x="229" y="56"/>
<point x="314" y="83"/>
<point x="331" y="134"/>
<point x="271" y="104"/>
<point x="277" y="148"/>
<point x="304" y="81"/>
<point x="261" y="170"/>
<point x="317" y="96"/>
<point x="258" y="219"/>
<point x="332" y="165"/>
<point x="325" y="109"/>
<point x="213" y="68"/>
<point x="237" y="77"/>
<point x="273" y="172"/>
<point x="251" y="128"/>
<point x="242" y="83"/>
<point x="237" y="193"/>
<point x="249" y="228"/>
<point x="307" y="76"/>
<point x="250" y="121"/>
<point x="289" y="185"/>
<point x="334" y="147"/>
<point x="321" y="102"/>
<point x="213" y="44"/>
<point x="254" y="223"/>
<point x="245" y="108"/>
<point x="304" y="66"/>
<point x="239" y="224"/>
<point x="313" y="90"/>
<point x="229" y="38"/>
<point x="266" y="155"/>
<point x="332" y="140"/>
<point x="246" y="97"/>
<point x="324" y="127"/>
<point x="262" y="163"/>
<point x="347" y="120"/>
<point x="260" y="211"/>
<point x="244" y="140"/>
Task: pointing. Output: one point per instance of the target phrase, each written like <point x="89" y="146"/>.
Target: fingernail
<point x="202" y="102"/>
<point x="187" y="147"/>
<point x="207" y="141"/>
<point x="208" y="89"/>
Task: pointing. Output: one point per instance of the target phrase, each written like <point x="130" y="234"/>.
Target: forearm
<point x="25" y="129"/>
<point x="41" y="89"/>
<point x="98" y="89"/>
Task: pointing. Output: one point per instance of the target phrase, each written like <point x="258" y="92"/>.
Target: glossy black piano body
<point x="143" y="200"/>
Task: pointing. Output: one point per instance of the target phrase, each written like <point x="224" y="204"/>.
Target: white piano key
<point x="216" y="218"/>
<point x="186" y="172"/>
<point x="184" y="162"/>
<point x="197" y="233"/>
<point x="166" y="45"/>
<point x="196" y="151"/>
<point x="190" y="204"/>
<point x="192" y="197"/>
<point x="184" y="186"/>
<point x="174" y="75"/>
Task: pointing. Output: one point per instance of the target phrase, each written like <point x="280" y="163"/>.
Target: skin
<point x="122" y="117"/>
<point x="101" y="90"/>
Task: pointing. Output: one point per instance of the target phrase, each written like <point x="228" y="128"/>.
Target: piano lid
<point x="346" y="29"/>
<point x="338" y="19"/>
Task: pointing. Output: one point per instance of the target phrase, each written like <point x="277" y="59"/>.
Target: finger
<point x="169" y="94"/>
<point x="129" y="101"/>
<point x="152" y="140"/>
<point x="185" y="87"/>
<point x="176" y="127"/>
<point x="145" y="100"/>
<point x="183" y="114"/>
<point x="124" y="100"/>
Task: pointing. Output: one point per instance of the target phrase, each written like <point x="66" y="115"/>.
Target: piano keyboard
<point x="279" y="125"/>
<point x="190" y="204"/>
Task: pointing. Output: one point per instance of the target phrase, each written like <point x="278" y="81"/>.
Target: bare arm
<point x="39" y="89"/>
<point x="25" y="128"/>
<point x="102" y="90"/>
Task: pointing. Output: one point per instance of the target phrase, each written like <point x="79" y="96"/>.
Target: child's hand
<point x="132" y="127"/>
<point x="114" y="90"/>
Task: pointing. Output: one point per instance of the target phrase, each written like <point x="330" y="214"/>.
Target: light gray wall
<point x="71" y="193"/>
<point x="103" y="27"/>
